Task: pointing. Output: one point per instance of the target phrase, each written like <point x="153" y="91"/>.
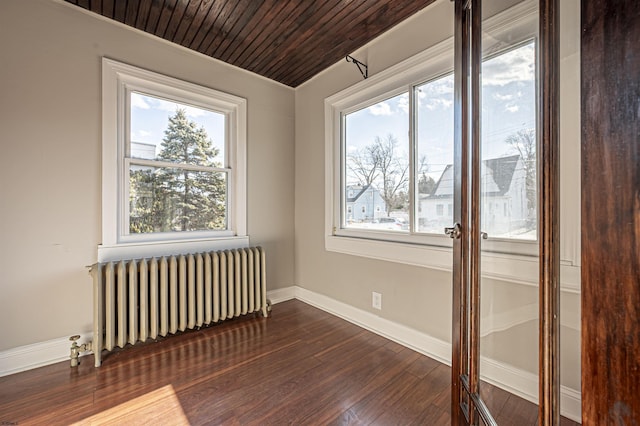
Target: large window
<point x="408" y="176"/>
<point x="389" y="156"/>
<point x="173" y="160"/>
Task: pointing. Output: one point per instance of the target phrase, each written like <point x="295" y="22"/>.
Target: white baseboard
<point x="511" y="379"/>
<point x="406" y="336"/>
<point x="514" y="380"/>
<point x="36" y="355"/>
<point x="281" y="294"/>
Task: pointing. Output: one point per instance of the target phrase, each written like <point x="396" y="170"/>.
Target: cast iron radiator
<point x="136" y="300"/>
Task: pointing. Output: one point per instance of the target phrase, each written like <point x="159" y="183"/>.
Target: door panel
<point x="505" y="126"/>
<point x="507" y="196"/>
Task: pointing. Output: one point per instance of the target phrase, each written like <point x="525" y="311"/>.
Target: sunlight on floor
<point x="160" y="407"/>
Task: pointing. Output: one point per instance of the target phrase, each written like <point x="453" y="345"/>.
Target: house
<point x="52" y="204"/>
<point x="364" y="203"/>
<point x="503" y="199"/>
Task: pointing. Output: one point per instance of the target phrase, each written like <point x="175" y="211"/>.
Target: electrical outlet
<point x="376" y="300"/>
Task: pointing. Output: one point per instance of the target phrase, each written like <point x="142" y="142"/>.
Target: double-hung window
<point x="173" y="164"/>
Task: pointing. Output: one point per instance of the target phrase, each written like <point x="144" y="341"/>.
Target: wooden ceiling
<point x="288" y="41"/>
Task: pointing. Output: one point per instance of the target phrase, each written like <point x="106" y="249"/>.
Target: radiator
<point x="136" y="300"/>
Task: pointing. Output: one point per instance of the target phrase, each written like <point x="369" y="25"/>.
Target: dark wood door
<point x="467" y="404"/>
<point x="460" y="333"/>
<point x="610" y="56"/>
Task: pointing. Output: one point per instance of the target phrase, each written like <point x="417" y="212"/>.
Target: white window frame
<point x="118" y="81"/>
<point x="507" y="260"/>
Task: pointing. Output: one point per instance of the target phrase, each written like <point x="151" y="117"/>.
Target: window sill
<point x="516" y="269"/>
<point x="140" y="250"/>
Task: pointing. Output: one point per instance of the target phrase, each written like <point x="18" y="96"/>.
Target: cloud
<point x="403" y="103"/>
<point x="382" y="108"/>
<point x="436" y="94"/>
<point x="140" y="135"/>
<point x="435" y="103"/>
<point x="148" y="102"/>
<point x="517" y="65"/>
<point x="351" y="149"/>
<point x="512" y="108"/>
<point x="501" y="97"/>
<point x="441" y="86"/>
<point x="139" y="101"/>
<point x="171" y="107"/>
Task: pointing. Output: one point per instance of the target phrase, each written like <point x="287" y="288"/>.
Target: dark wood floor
<point x="300" y="366"/>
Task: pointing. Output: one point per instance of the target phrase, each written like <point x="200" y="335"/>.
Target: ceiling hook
<point x="364" y="69"/>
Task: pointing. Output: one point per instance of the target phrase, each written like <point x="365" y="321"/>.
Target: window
<point x="509" y="141"/>
<point x="420" y="86"/>
<point x="173" y="161"/>
<point x="177" y="169"/>
<point x="378" y="149"/>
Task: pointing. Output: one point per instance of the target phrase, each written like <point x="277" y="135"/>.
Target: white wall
<point x="416" y="297"/>
<point x="50" y="121"/>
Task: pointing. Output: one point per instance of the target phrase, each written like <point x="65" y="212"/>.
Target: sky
<point x="150" y="118"/>
<point x="508" y="105"/>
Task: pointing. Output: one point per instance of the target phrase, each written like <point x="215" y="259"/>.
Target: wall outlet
<point x="376" y="300"/>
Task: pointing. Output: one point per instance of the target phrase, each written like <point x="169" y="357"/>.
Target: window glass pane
<point x="508" y="186"/>
<point x="376" y="187"/>
<point x="170" y="131"/>
<point x="171" y="199"/>
<point x="434" y="154"/>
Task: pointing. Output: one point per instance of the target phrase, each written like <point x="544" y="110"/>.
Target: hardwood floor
<point x="300" y="366"/>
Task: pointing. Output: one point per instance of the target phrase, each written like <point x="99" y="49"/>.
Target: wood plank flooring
<point x="301" y="366"/>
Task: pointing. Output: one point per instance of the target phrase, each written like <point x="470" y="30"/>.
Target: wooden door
<point x="467" y="404"/>
<point x="610" y="63"/>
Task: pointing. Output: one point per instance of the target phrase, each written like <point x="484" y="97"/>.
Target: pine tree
<point x="179" y="199"/>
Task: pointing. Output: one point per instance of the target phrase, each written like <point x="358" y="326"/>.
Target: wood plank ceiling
<point x="288" y="41"/>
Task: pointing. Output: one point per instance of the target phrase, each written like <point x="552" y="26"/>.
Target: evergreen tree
<point x="178" y="199"/>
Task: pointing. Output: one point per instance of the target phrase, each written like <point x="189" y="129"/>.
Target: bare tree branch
<point x="524" y="142"/>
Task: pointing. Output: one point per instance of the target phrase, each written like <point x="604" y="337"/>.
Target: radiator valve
<point x="77" y="349"/>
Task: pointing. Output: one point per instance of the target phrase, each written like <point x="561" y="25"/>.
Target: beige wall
<point x="50" y="162"/>
<point x="417" y="297"/>
<point x="50" y="121"/>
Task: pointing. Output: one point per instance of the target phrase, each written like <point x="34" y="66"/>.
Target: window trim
<point x="118" y="80"/>
<point x="420" y="249"/>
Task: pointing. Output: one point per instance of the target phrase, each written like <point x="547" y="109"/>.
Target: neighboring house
<point x="143" y="150"/>
<point x="503" y="192"/>
<point x="364" y="203"/>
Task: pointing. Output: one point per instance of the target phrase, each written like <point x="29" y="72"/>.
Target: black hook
<point x="360" y="65"/>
